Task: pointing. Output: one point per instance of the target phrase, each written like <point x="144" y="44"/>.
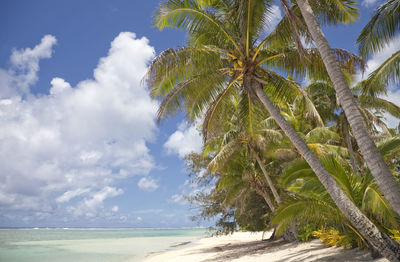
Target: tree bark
<point x="374" y="160"/>
<point x="388" y="247"/>
<point x="267" y="200"/>
<point x="271" y="238"/>
<point x="267" y="177"/>
<point x="262" y="192"/>
<point x="349" y="145"/>
<point x="291" y="233"/>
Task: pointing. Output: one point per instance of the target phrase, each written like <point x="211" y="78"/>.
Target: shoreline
<point x="248" y="247"/>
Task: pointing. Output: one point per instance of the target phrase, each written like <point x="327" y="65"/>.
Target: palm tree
<point x="311" y="202"/>
<point x="222" y="52"/>
<point x="243" y="129"/>
<point x="370" y="106"/>
<point x="382" y="27"/>
<point x="384" y="178"/>
<point x="238" y="197"/>
<point x="247" y="135"/>
<point x="375" y="35"/>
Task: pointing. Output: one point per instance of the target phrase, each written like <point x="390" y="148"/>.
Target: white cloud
<point x="147" y="184"/>
<point x="368" y="3"/>
<point x="24" y="67"/>
<point x="90" y="207"/>
<point x="178" y="199"/>
<point x="70" y="194"/>
<point x="76" y="142"/>
<point x="115" y="209"/>
<point x="58" y="85"/>
<point x="185" y="140"/>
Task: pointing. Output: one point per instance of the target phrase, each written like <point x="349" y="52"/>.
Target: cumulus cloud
<point x="185" y="140"/>
<point x="70" y="194"/>
<point x="89" y="207"/>
<point x="71" y="147"/>
<point x="58" y="85"/>
<point x="148" y="184"/>
<point x="24" y="67"/>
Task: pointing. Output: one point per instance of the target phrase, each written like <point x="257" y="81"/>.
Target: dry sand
<point x="247" y="247"/>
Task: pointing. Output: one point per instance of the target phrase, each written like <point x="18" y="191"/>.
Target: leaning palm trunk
<point x="267" y="177"/>
<point x="267" y="199"/>
<point x="374" y="160"/>
<point x="261" y="191"/>
<point x="349" y="145"/>
<point x="387" y="246"/>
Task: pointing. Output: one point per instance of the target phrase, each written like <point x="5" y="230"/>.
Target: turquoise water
<point x="89" y="245"/>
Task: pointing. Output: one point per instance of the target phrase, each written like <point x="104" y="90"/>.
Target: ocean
<point x="90" y="245"/>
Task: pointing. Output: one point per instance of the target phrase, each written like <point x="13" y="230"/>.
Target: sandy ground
<point x="247" y="247"/>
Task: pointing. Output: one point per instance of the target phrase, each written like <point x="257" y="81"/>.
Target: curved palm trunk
<point x="272" y="237"/>
<point x="267" y="200"/>
<point x="264" y="194"/>
<point x="387" y="246"/>
<point x="383" y="177"/>
<point x="261" y="190"/>
<point x="267" y="177"/>
<point x="349" y="145"/>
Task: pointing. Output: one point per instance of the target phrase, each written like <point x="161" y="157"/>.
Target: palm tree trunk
<point x="349" y="145"/>
<point x="374" y="160"/>
<point x="261" y="190"/>
<point x="266" y="197"/>
<point x="291" y="233"/>
<point x="271" y="238"/>
<point x="267" y="200"/>
<point x="267" y="177"/>
<point x="388" y="247"/>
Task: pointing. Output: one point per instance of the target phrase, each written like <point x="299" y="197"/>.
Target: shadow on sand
<point x="316" y="251"/>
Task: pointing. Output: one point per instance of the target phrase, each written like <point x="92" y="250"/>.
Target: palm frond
<point x="389" y="146"/>
<point x="375" y="204"/>
<point x="272" y="134"/>
<point x="387" y="72"/>
<point x="297" y="169"/>
<point x="380" y="29"/>
<point x="223" y="155"/>
<point x="379" y="104"/>
<point x="307" y="211"/>
<point x="336" y="11"/>
<point x="323" y="135"/>
<point x="216" y="107"/>
<point x="174" y="65"/>
<point x="188" y="15"/>
<point x="323" y="149"/>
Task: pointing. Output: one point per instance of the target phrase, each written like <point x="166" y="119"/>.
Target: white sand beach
<point x="247" y="247"/>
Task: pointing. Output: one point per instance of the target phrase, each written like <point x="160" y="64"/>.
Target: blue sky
<point x="79" y="146"/>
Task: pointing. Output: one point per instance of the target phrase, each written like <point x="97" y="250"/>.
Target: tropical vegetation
<point x="307" y="160"/>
